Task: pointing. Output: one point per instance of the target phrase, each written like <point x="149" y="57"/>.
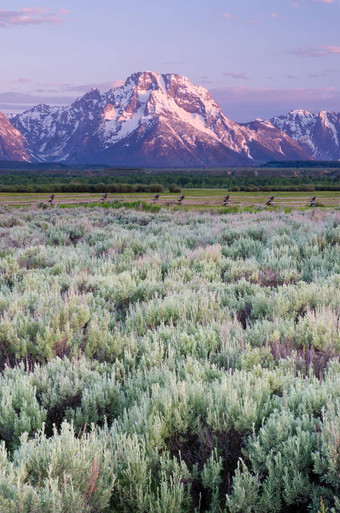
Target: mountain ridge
<point x="13" y="145"/>
<point x="154" y="120"/>
<point x="318" y="133"/>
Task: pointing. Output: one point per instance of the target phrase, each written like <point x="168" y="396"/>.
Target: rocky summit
<point x="12" y="143"/>
<point x="156" y="120"/>
<point x="318" y="134"/>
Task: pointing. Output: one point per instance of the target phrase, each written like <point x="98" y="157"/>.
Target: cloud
<point x="239" y="76"/>
<point x="245" y="103"/>
<point x="227" y="15"/>
<point x="48" y="93"/>
<point x="29" y="16"/>
<point x="66" y="88"/>
<point x="33" y="10"/>
<point x="333" y="49"/>
<point x="18" y="102"/>
<point x="299" y="3"/>
<point x="104" y="86"/>
<point x="241" y="103"/>
<point x="307" y="52"/>
<point x="317" y="74"/>
<point x="314" y="52"/>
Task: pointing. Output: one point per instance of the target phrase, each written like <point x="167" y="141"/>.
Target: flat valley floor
<point x="194" y="198"/>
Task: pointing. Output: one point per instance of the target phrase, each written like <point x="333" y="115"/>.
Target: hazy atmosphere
<point x="257" y="58"/>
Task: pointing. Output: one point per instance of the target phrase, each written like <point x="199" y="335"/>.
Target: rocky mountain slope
<point x="152" y="120"/>
<point x="318" y="134"/>
<point x="13" y="145"/>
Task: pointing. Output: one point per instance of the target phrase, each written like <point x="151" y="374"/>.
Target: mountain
<point x="318" y="134"/>
<point x="152" y="120"/>
<point x="278" y="144"/>
<point x="12" y="142"/>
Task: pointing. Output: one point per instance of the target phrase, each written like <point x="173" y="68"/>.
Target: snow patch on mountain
<point x="318" y="133"/>
<point x="98" y="125"/>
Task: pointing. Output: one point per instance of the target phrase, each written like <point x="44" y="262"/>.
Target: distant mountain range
<point x="158" y="120"/>
<point x="318" y="134"/>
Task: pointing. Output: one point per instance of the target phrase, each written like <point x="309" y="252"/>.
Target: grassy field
<point x="169" y="362"/>
<point x="193" y="198"/>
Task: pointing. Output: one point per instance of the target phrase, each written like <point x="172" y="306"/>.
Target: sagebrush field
<point x="169" y="362"/>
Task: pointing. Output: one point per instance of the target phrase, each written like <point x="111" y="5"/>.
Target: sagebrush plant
<point x="169" y="361"/>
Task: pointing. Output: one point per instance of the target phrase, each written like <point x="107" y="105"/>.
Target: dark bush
<point x="156" y="187"/>
<point x="175" y="188"/>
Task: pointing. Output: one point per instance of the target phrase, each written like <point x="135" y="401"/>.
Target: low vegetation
<point x="169" y="361"/>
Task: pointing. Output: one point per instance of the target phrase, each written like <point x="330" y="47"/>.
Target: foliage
<point x="137" y="180"/>
<point x="175" y="188"/>
<point x="169" y="361"/>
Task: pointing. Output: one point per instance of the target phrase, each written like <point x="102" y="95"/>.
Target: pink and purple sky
<point x="257" y="57"/>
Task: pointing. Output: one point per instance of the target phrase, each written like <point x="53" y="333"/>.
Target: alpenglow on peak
<point x="152" y="120"/>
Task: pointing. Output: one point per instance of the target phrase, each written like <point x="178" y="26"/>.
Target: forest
<point x="158" y="181"/>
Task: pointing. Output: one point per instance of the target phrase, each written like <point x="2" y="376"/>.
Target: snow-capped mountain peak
<point x="318" y="133"/>
<point x="152" y="119"/>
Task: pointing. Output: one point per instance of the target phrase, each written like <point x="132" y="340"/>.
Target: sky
<point x="258" y="58"/>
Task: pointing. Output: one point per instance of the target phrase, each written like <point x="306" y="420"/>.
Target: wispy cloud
<point x="298" y="3"/>
<point x="306" y="52"/>
<point x="314" y="52"/>
<point x="204" y="79"/>
<point x="238" y="76"/>
<point x="30" y="16"/>
<point x="228" y="16"/>
<point x="63" y="87"/>
<point x="245" y="103"/>
<point x="231" y="17"/>
<point x="333" y="49"/>
<point x="279" y="94"/>
<point x="316" y="74"/>
<point x="103" y="86"/>
<point x="34" y="10"/>
<point x="302" y="3"/>
<point x="27" y="93"/>
<point x="18" y="102"/>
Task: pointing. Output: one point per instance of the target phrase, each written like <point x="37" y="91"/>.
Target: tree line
<point x="172" y="181"/>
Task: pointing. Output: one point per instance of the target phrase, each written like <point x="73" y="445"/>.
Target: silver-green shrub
<point x="178" y="361"/>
